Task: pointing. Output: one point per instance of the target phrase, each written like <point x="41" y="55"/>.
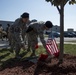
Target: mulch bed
<point x="16" y="67"/>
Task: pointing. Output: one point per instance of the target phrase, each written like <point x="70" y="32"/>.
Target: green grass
<point x="70" y="49"/>
<point x="45" y="35"/>
<point x="5" y="54"/>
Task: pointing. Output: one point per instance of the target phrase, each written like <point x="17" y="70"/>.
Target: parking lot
<point x="66" y="34"/>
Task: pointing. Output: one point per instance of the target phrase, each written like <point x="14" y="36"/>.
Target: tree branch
<point x="58" y="8"/>
<point x="65" y="2"/>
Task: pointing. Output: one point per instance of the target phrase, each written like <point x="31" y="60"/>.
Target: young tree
<point x="59" y="4"/>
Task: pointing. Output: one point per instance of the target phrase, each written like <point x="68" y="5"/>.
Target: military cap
<point x="25" y="15"/>
<point x="48" y="24"/>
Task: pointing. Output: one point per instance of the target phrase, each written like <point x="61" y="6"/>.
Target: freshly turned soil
<point x="16" y="67"/>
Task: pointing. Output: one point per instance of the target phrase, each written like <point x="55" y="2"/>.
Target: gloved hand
<point x="36" y="46"/>
<point x="43" y="57"/>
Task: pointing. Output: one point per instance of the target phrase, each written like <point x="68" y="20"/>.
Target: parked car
<point x="66" y="34"/>
<point x="47" y="33"/>
<point x="56" y="34"/>
<point x="73" y="34"/>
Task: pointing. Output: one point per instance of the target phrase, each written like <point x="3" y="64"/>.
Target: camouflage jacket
<point x="38" y="29"/>
<point x="18" y="26"/>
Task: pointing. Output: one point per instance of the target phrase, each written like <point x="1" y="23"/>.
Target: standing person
<point x="8" y="33"/>
<point x="12" y="37"/>
<point x="18" y="26"/>
<point x="36" y="30"/>
<point x="1" y="32"/>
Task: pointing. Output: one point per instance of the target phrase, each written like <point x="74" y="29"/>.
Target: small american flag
<point x="52" y="47"/>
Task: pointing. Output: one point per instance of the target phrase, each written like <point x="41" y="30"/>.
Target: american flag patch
<point x="52" y="47"/>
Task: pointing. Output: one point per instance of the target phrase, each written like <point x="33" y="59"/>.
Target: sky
<point x="39" y="10"/>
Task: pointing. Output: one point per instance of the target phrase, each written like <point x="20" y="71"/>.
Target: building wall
<point x="55" y="28"/>
<point x="70" y="30"/>
<point x="4" y="23"/>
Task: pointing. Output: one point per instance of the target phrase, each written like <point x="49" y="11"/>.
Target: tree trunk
<point x="61" y="33"/>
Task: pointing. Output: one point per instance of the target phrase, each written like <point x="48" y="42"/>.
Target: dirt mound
<point x="15" y="67"/>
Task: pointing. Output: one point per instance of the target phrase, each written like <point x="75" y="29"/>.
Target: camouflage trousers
<point x="18" y="43"/>
<point x="9" y="36"/>
<point x="32" y="41"/>
<point x="1" y="35"/>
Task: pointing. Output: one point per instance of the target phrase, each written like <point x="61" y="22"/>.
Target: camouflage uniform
<point x="24" y="33"/>
<point x="8" y="35"/>
<point x="38" y="31"/>
<point x="19" y="28"/>
<point x="1" y="32"/>
<point x="12" y="37"/>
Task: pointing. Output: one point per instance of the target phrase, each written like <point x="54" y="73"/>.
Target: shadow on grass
<point x="4" y="49"/>
<point x="14" y="62"/>
<point x="23" y="54"/>
<point x="3" y="56"/>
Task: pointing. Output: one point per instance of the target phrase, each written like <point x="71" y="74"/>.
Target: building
<point x="56" y="28"/>
<point x="70" y="30"/>
<point x="4" y="23"/>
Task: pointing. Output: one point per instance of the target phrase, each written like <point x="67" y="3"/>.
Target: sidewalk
<point x="5" y="44"/>
<point x="59" y="42"/>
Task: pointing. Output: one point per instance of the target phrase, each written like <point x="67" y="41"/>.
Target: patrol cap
<point x="25" y="15"/>
<point x="48" y="24"/>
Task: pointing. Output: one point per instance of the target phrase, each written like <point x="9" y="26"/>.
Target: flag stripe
<point x="53" y="50"/>
<point x="55" y="46"/>
<point x="52" y="46"/>
<point x="48" y="49"/>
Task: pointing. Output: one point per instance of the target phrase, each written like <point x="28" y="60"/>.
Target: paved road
<point x="65" y="39"/>
<point x="5" y="44"/>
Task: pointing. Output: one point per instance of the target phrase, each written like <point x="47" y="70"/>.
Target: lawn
<point x="68" y="48"/>
<point x="5" y="54"/>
